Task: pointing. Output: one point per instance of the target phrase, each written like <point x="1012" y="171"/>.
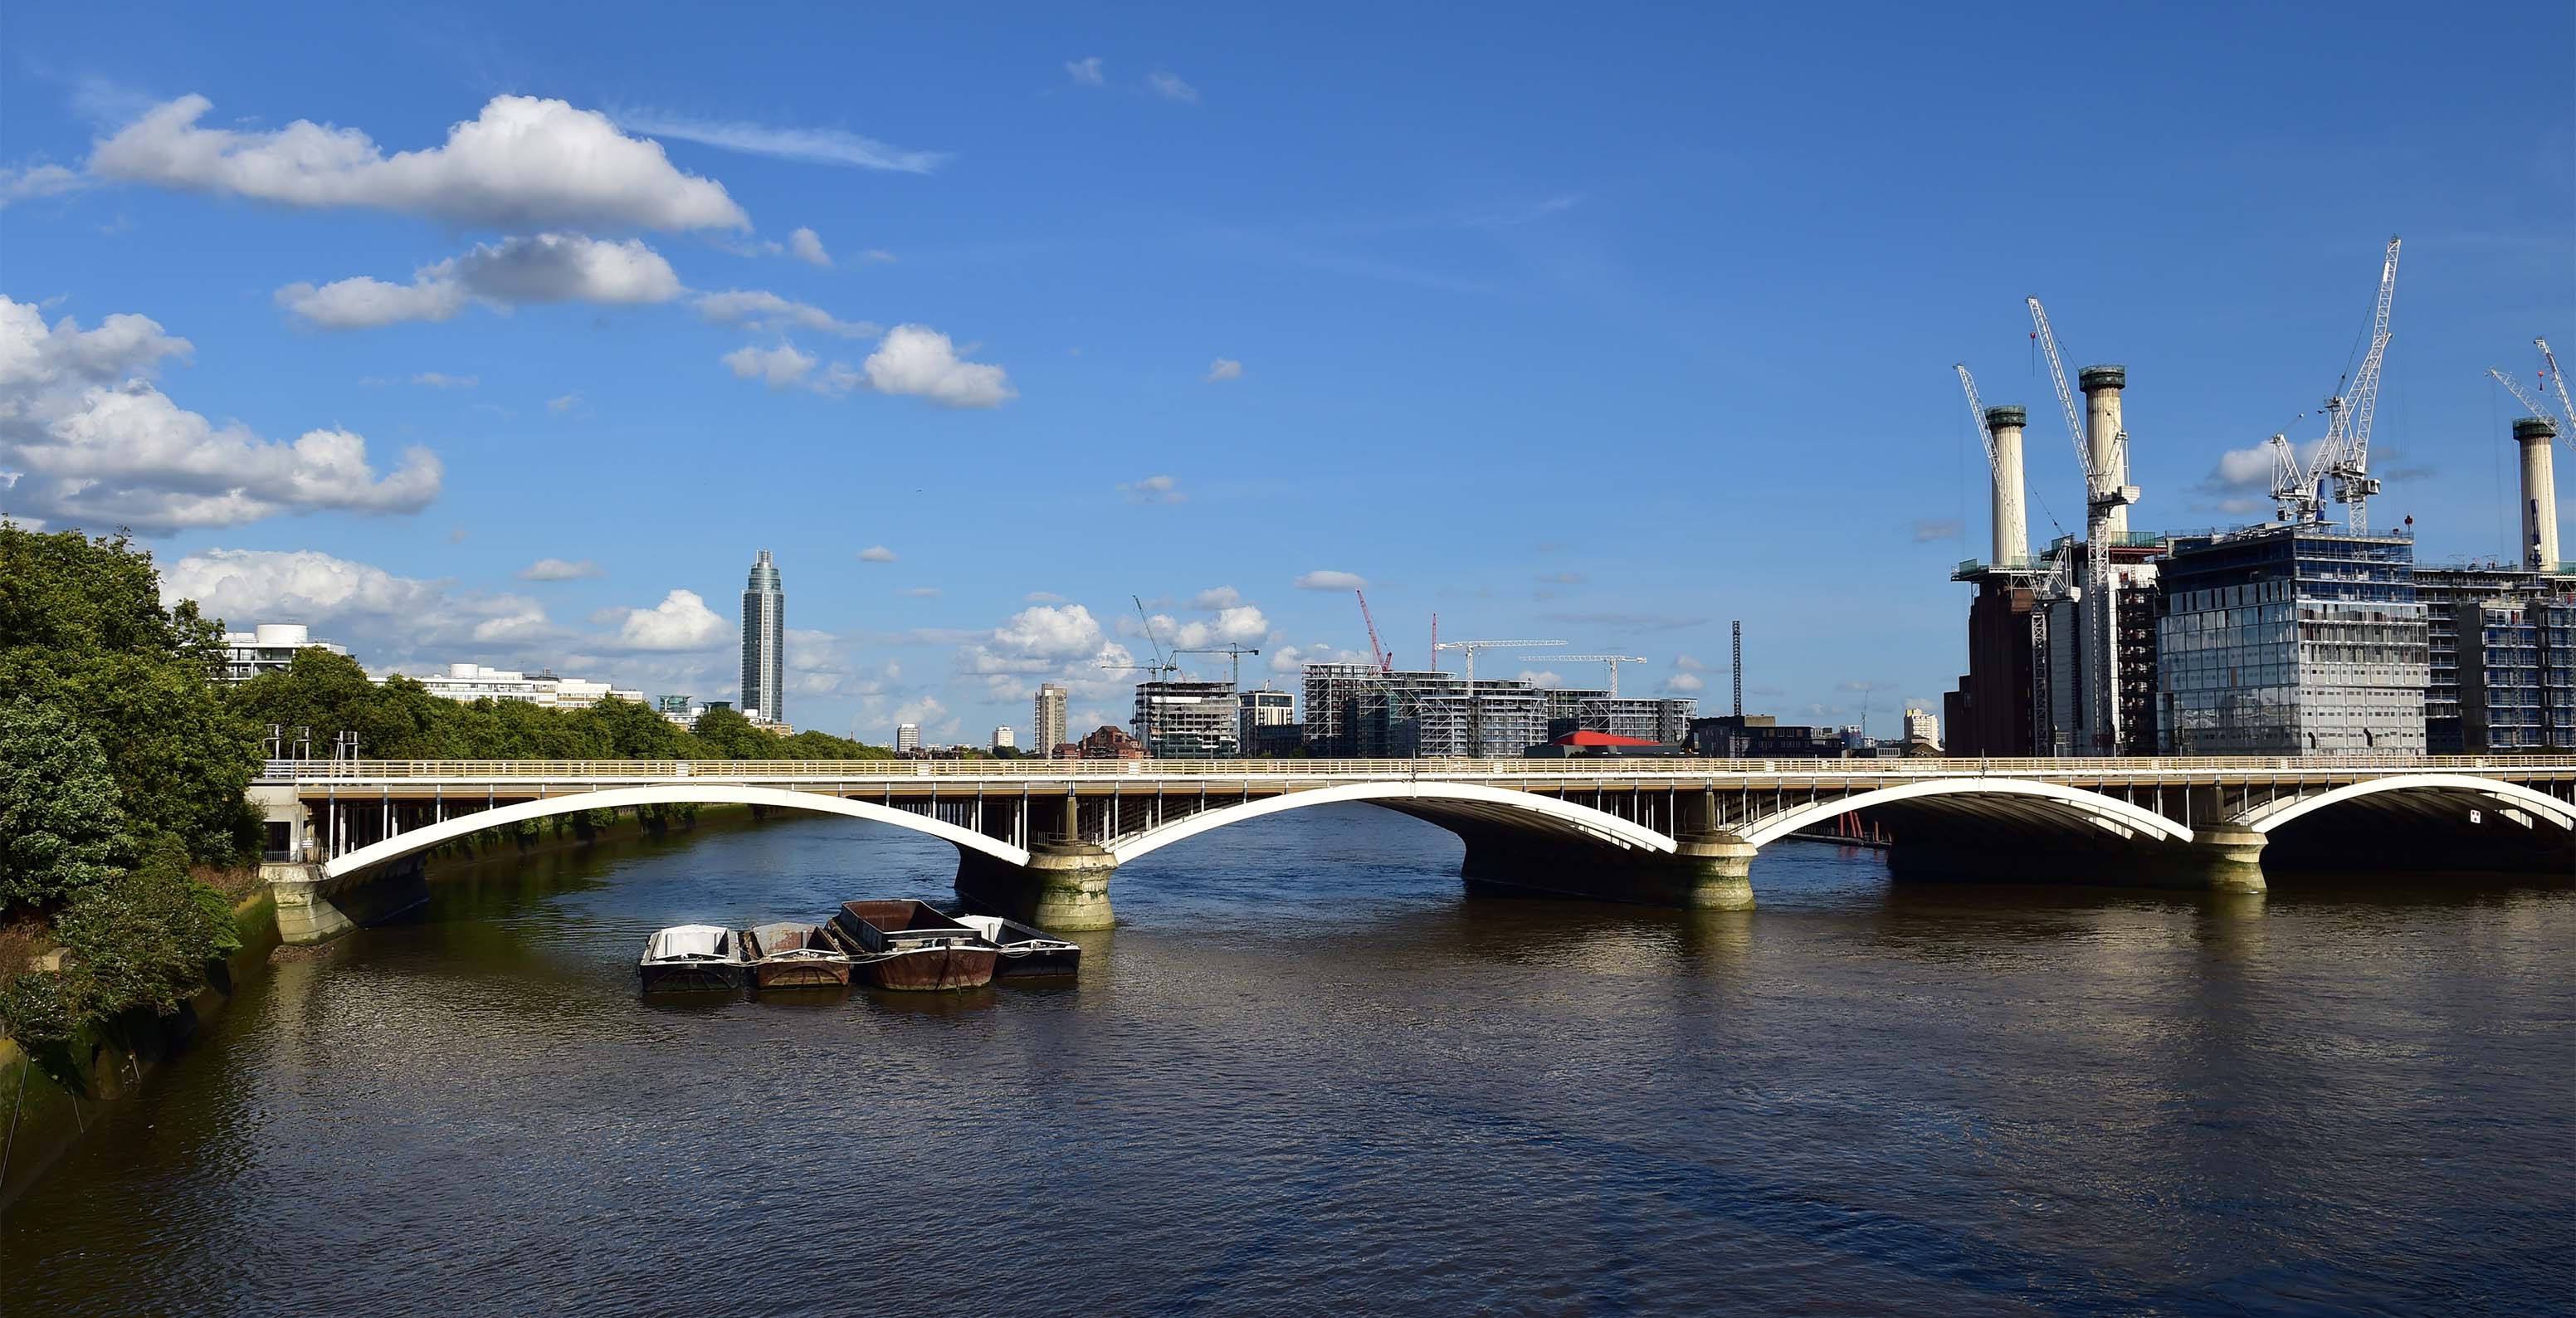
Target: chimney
<point x="2539" y="493"/>
<point x="2102" y="386"/>
<point x="2012" y="526"/>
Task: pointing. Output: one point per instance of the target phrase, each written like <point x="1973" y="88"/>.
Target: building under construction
<point x="1179" y="720"/>
<point x="1362" y="711"/>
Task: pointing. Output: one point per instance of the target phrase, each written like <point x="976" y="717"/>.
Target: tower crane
<point x="2100" y="601"/>
<point x="2346" y="455"/>
<point x="1385" y="661"/>
<point x="1614" y="660"/>
<point x="1471" y="647"/>
<point x="2558" y="378"/>
<point x="2294" y="488"/>
<point x="1233" y="652"/>
<point x="2537" y="407"/>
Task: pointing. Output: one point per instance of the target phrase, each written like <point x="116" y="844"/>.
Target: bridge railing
<point x="566" y="771"/>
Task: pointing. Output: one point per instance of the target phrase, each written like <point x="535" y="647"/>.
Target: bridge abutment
<point x="1064" y="887"/>
<point x="2227" y="858"/>
<point x="1708" y="872"/>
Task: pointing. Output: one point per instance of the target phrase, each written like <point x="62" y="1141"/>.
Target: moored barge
<point x="1027" y="951"/>
<point x="910" y="945"/>
<point x="788" y="955"/>
<point x="691" y="957"/>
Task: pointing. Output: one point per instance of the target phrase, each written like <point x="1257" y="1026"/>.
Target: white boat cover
<point x="689" y="940"/>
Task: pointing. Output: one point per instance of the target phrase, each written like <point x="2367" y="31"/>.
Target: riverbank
<point x="106" y="1066"/>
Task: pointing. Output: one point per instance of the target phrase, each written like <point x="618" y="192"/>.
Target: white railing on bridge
<point x="1377" y="770"/>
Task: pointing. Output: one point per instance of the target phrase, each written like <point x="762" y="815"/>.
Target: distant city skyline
<point x="1650" y="332"/>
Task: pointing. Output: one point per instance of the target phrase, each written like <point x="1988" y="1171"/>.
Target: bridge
<point x="1041" y="839"/>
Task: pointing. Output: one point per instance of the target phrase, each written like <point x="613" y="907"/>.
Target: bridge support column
<point x="1064" y="887"/>
<point x="2227" y="858"/>
<point x="1709" y="872"/>
<point x="305" y="915"/>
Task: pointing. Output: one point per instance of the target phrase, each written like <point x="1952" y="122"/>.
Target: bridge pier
<point x="1709" y="871"/>
<point x="2227" y="858"/>
<point x="1064" y="887"/>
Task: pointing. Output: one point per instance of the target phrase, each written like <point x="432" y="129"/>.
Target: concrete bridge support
<point x="1707" y="872"/>
<point x="1065" y="885"/>
<point x="2227" y="858"/>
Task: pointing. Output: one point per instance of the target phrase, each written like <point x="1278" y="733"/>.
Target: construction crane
<point x="1614" y="660"/>
<point x="2557" y="377"/>
<point x="1471" y="647"/>
<point x="2537" y="407"/>
<point x="2347" y="452"/>
<point x="1233" y="652"/>
<point x="2294" y="488"/>
<point x="2103" y="496"/>
<point x="1385" y="661"/>
<point x="2565" y="416"/>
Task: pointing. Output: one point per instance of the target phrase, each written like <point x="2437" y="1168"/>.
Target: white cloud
<point x="1085" y="71"/>
<point x="1042" y="597"/>
<point x="920" y="361"/>
<point x="546" y="267"/>
<point x="1326" y="580"/>
<point x="1154" y="489"/>
<point x="1683" y="684"/>
<point x="1234" y="625"/>
<point x="522" y="162"/>
<point x="1049" y="632"/>
<point x="682" y="621"/>
<point x="1688" y="664"/>
<point x="876" y="554"/>
<point x="392" y="619"/>
<point x="820" y="146"/>
<point x="100" y="446"/>
<point x="1170" y="87"/>
<point x="779" y="367"/>
<point x="563" y="403"/>
<point x="762" y="310"/>
<point x="1224" y="368"/>
<point x="877" y="254"/>
<point x="558" y="569"/>
<point x="806" y="245"/>
<point x="31" y="181"/>
<point x="442" y="380"/>
<point x="1545" y="680"/>
<point x="1216" y="597"/>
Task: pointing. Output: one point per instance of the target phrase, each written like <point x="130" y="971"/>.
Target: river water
<point x="1308" y="1075"/>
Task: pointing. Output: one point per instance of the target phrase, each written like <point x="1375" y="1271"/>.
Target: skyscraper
<point x="764" y="643"/>
<point x="1049" y="722"/>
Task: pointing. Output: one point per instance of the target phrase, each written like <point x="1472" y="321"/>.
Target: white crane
<point x="1471" y="647"/>
<point x="2294" y="489"/>
<point x="2346" y="455"/>
<point x="2558" y="378"/>
<point x="2100" y="600"/>
<point x="1614" y="660"/>
<point x="2537" y="407"/>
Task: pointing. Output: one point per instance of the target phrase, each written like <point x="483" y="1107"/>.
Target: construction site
<point x="2299" y="635"/>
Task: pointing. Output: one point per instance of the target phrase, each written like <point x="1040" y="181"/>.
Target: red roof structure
<point x="1587" y="737"/>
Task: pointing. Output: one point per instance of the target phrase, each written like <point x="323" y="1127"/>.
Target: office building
<point x="1177" y="720"/>
<point x="1105" y="743"/>
<point x="764" y="644"/>
<point x="2291" y="639"/>
<point x="1002" y="740"/>
<point x="469" y="682"/>
<point x="1921" y="727"/>
<point x="1048" y="725"/>
<point x="269" y="648"/>
<point x="1358" y="711"/>
<point x="1763" y="737"/>
<point x="1260" y="709"/>
<point x="907" y="738"/>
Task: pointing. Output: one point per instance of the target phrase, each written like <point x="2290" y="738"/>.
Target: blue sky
<point x="1602" y="325"/>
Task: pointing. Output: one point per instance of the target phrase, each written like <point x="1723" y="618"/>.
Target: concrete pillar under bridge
<point x="2219" y="858"/>
<point x="1064" y="887"/>
<point x="1709" y="871"/>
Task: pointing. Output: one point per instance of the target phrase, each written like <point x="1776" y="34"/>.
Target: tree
<point x="61" y="827"/>
<point x="727" y="735"/>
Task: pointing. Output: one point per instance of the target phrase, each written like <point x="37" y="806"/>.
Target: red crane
<point x="1385" y="661"/>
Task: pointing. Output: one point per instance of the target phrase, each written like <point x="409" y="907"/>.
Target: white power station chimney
<point x="2102" y="386"/>
<point x="2012" y="526"/>
<point x="2539" y="493"/>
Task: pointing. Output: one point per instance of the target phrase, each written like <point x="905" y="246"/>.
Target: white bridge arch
<point x="2108" y="811"/>
<point x="1471" y="800"/>
<point x="694" y="793"/>
<point x="2265" y="818"/>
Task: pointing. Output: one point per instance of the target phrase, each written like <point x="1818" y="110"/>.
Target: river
<point x="1308" y="1075"/>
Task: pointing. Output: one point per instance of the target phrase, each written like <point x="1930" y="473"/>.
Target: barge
<point x="1027" y="951"/>
<point x="788" y="955"/>
<point x="691" y="957"/>
<point x="910" y="945"/>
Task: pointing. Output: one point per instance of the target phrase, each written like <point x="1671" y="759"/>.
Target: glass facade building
<point x="764" y="643"/>
<point x="2290" y="640"/>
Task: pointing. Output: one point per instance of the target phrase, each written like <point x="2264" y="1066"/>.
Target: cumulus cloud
<point x="1292" y="658"/>
<point x="807" y="246"/>
<point x="1326" y="580"/>
<point x="817" y="146"/>
<point x="393" y="618"/>
<point x="1045" y="631"/>
<point x="2241" y="482"/>
<point x="920" y="361"/>
<point x="31" y="181"/>
<point x="546" y="267"/>
<point x="876" y="554"/>
<point x="1154" y="489"/>
<point x="1234" y="625"/>
<point x="682" y="621"/>
<point x="1683" y="684"/>
<point x="762" y="310"/>
<point x="523" y="162"/>
<point x="779" y="367"/>
<point x="1085" y="71"/>
<point x="1224" y="368"/>
<point x="558" y="569"/>
<point x="1216" y="597"/>
<point x="101" y="446"/>
<point x="1170" y="87"/>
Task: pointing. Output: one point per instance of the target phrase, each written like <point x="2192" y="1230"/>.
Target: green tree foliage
<point x="142" y="939"/>
<point x="61" y="828"/>
<point x="82" y="628"/>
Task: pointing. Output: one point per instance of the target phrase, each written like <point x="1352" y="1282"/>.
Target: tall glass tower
<point x="764" y="642"/>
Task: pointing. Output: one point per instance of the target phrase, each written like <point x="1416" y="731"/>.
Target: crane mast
<point x="2099" y="603"/>
<point x="2557" y="377"/>
<point x="1385" y="661"/>
<point x="2347" y="454"/>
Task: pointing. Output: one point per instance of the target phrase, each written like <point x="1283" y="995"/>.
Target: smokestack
<point x="2012" y="527"/>
<point x="2539" y="493"/>
<point x="2102" y="386"/>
